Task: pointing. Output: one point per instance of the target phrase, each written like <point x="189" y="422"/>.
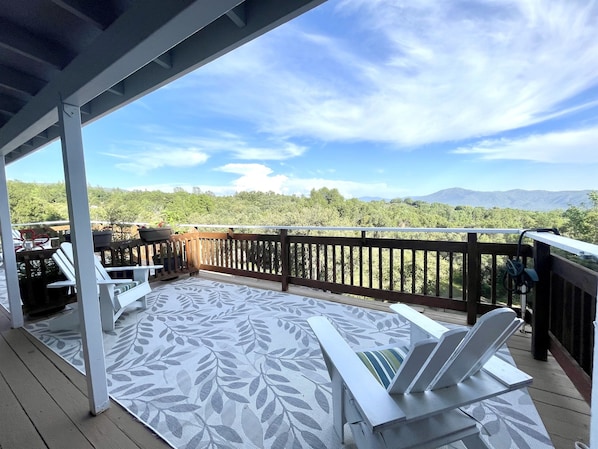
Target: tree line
<point x="33" y="202"/>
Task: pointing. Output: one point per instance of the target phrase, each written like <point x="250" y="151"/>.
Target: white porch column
<point x="87" y="290"/>
<point x="8" y="253"/>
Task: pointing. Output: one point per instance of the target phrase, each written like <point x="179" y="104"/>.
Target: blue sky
<point x="381" y="98"/>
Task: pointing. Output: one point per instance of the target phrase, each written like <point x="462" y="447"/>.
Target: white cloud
<point x="261" y="178"/>
<point x="255" y="177"/>
<point x="158" y="156"/>
<point x="566" y="147"/>
<point x="258" y="177"/>
<point x="423" y="72"/>
<point x="175" y="149"/>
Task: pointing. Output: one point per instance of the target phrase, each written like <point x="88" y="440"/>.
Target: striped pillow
<point x="383" y="363"/>
<point x="121" y="288"/>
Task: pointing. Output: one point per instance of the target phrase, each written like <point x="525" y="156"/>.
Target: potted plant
<point x="102" y="238"/>
<point x="155" y="234"/>
<point x="36" y="270"/>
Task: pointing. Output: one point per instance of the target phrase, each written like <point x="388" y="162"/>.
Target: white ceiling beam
<point x="20" y="41"/>
<point x="118" y="89"/>
<point x="90" y="12"/>
<point x="208" y="44"/>
<point x="211" y="42"/>
<point x="237" y="15"/>
<point x="11" y="104"/>
<point x="147" y="30"/>
<point x="19" y="82"/>
<point x="164" y="61"/>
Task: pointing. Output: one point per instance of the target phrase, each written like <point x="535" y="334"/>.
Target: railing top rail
<point x="577" y="247"/>
<point x="66" y="222"/>
<point x="360" y="229"/>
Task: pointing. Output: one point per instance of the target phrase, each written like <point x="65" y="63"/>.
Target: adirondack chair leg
<point x="338" y="406"/>
<point x="364" y="438"/>
<point x="143" y="302"/>
<point x="106" y="310"/>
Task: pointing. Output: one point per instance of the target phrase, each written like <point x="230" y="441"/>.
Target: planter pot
<point x="155" y="234"/>
<point x="39" y="300"/>
<point x="170" y="263"/>
<point x="102" y="239"/>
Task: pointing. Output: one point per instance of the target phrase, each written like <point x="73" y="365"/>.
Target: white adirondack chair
<point x="114" y="294"/>
<point x="441" y="371"/>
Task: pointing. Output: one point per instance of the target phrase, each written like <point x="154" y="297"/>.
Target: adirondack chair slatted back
<point x="442" y="351"/>
<point x="65" y="265"/>
<point x="67" y="249"/>
<point x="455" y="356"/>
<point x="114" y="294"/>
<point x="409" y="369"/>
<point x="510" y="330"/>
<point x="480" y="343"/>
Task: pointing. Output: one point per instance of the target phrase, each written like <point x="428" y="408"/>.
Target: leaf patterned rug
<point x="214" y="365"/>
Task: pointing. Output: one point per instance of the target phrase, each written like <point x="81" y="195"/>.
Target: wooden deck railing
<point x="459" y="275"/>
<point x="564" y="314"/>
<point x="465" y="276"/>
<point x="173" y="254"/>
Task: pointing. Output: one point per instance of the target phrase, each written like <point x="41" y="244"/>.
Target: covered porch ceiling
<point x="65" y="63"/>
<point x="102" y="55"/>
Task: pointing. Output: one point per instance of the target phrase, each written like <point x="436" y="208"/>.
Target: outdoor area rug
<point x="216" y="365"/>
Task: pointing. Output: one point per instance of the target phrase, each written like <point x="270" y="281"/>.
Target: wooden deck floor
<point x="43" y="402"/>
<point x="564" y="412"/>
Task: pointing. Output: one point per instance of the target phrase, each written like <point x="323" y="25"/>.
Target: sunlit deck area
<point x="219" y="361"/>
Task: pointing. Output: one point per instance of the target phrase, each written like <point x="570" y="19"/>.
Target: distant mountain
<point x="533" y="200"/>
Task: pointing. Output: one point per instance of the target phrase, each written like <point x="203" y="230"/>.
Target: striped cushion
<point x="383" y="363"/>
<point x="121" y="288"/>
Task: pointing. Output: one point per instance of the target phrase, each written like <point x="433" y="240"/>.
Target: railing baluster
<point x="380" y="269"/>
<point x="413" y="270"/>
<point x="370" y="267"/>
<point x="361" y="266"/>
<point x="437" y="284"/>
<point x="402" y="270"/>
<point x="425" y="282"/>
<point x="343" y="264"/>
<point x="334" y="264"/>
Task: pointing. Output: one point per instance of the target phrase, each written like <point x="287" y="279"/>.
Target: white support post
<point x="8" y="253"/>
<point x="87" y="289"/>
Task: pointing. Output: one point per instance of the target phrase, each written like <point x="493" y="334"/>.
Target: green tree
<point x="582" y="222"/>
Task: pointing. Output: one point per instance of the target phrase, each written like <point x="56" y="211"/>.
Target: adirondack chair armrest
<point x="506" y="373"/>
<point x="421" y="326"/>
<point x="140" y="272"/>
<point x="113" y="281"/>
<point x="134" y="268"/>
<point x="375" y="404"/>
<point x="61" y="284"/>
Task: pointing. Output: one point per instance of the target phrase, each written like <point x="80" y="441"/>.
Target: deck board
<point x="51" y="422"/>
<point x="47" y="386"/>
<point x="43" y="403"/>
<point x="99" y="430"/>
<point x="12" y="416"/>
<point x="121" y="418"/>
